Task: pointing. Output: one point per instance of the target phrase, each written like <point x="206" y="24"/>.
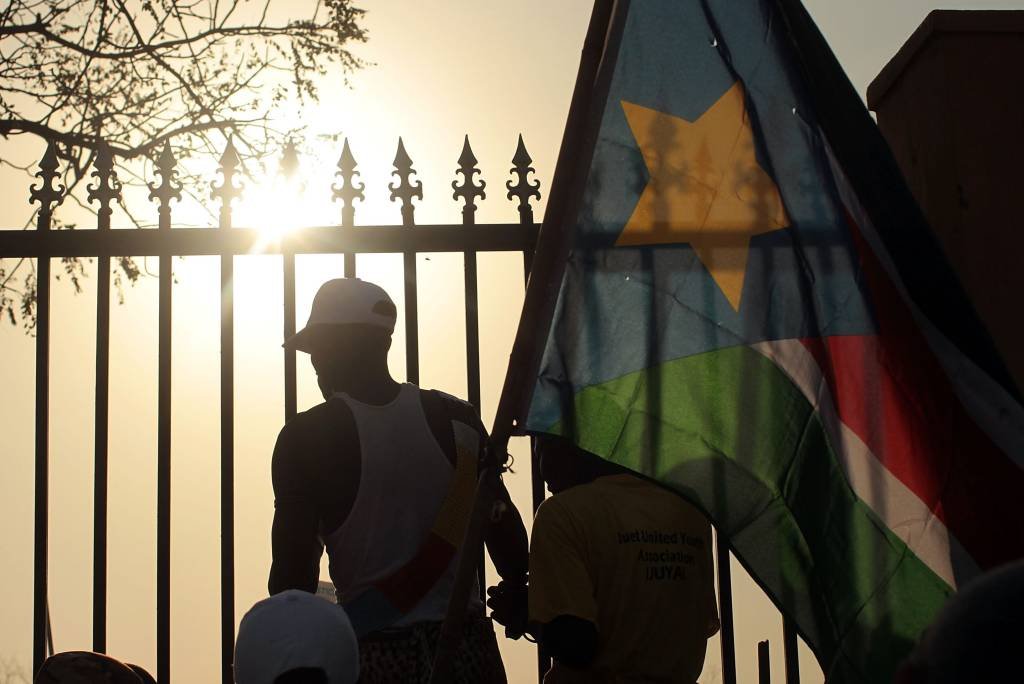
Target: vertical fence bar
<point x="48" y="197"/>
<point x="290" y="392"/>
<point x="406" y="191"/>
<point x="106" y="190"/>
<point x="790" y="651"/>
<point x="412" y="344"/>
<point x="728" y="639"/>
<point x="524" y="189"/>
<point x="227" y="191"/>
<point x="289" y="163"/>
<point x="227" y="462"/>
<point x="472" y="330"/>
<point x="527" y="265"/>
<point x="164" y="193"/>
<point x="288" y="274"/>
<point x="348" y="192"/>
<point x="163" y="513"/>
<point x="468" y="190"/>
<point x="290" y="159"/>
<point x="764" y="664"/>
<point x="99" y="528"/>
<point x="41" y="613"/>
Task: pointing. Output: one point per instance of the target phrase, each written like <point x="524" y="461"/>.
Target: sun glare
<point x="274" y="207"/>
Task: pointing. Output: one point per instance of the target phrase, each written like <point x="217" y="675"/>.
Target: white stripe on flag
<point x="893" y="502"/>
<point x="991" y="407"/>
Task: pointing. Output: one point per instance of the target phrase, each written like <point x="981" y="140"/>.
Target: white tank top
<point x="404" y="478"/>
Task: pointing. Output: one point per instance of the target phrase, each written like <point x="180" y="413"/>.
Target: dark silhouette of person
<point x="976" y="637"/>
<point x="382" y="474"/>
<point x="621" y="577"/>
<point x="71" y="667"/>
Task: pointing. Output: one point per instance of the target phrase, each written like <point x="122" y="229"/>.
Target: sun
<point x="274" y="207"/>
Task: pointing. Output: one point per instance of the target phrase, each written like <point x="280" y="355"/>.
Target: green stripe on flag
<point x="728" y="430"/>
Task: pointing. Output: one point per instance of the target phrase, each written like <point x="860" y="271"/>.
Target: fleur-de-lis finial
<point x="169" y="187"/>
<point x="348" y="192"/>
<point x="48" y="195"/>
<point x="468" y="191"/>
<point x="229" y="189"/>
<point x="404" y="189"/>
<point x="107" y="187"/>
<point x="290" y="159"/>
<point x="524" y="188"/>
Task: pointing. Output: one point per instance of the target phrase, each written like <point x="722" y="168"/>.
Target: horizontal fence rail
<point x="481" y="237"/>
<point x="346" y="240"/>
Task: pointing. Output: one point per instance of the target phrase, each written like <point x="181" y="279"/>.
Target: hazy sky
<point x="440" y="70"/>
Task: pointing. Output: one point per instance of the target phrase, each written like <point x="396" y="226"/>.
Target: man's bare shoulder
<point x="322" y="427"/>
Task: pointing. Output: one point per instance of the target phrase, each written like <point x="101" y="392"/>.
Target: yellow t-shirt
<point x="635" y="560"/>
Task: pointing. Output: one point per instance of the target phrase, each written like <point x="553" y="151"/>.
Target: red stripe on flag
<point x="891" y="391"/>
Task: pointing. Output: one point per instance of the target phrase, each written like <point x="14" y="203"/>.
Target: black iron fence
<point x="228" y="241"/>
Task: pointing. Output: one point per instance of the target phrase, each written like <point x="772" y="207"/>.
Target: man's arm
<point x="294" y="538"/>
<point x="506" y="541"/>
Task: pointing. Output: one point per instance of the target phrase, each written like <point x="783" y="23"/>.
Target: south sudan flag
<point x="754" y="313"/>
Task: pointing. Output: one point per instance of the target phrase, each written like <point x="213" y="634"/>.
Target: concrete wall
<point x="951" y="105"/>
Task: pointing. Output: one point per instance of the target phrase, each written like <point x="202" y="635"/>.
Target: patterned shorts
<point x="407" y="654"/>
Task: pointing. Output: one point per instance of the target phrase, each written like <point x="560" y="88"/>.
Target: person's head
<point x="86" y="667"/>
<point x="340" y="353"/>
<point x="348" y="333"/>
<point x="296" y="638"/>
<point x="977" y="635"/>
<point x="564" y="465"/>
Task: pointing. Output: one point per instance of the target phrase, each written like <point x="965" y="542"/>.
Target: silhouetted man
<point x="382" y="474"/>
<point x="621" y="585"/>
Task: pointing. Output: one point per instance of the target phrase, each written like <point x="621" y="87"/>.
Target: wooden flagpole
<point x="597" y="61"/>
<point x="554" y="242"/>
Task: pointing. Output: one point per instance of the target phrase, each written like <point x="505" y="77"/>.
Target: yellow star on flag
<point x="706" y="187"/>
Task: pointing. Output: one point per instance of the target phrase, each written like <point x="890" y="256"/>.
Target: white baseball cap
<point x="295" y="629"/>
<point x="342" y="301"/>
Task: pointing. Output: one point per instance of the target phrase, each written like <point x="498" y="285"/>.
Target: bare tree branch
<point x="134" y="75"/>
<point x="83" y="140"/>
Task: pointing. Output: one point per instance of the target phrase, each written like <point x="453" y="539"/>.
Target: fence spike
<point x="405" y="189"/>
<point x="348" y="192"/>
<point x="230" y="159"/>
<point x="467" y="159"/>
<point x="524" y="188"/>
<point x="521" y="157"/>
<point x="47" y="194"/>
<point x="468" y="190"/>
<point x="229" y="189"/>
<point x="289" y="159"/>
<point x="169" y="187"/>
<point x="107" y="187"/>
